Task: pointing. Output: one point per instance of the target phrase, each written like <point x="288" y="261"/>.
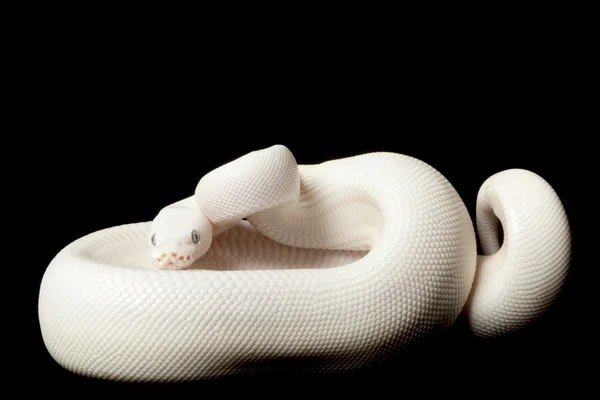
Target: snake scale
<point x="341" y="263"/>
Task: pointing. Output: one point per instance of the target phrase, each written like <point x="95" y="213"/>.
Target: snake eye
<point x="153" y="239"/>
<point x="195" y="237"/>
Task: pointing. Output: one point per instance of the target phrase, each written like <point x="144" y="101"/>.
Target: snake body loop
<point x="339" y="264"/>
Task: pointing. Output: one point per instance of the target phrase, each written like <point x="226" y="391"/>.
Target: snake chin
<point x="174" y="260"/>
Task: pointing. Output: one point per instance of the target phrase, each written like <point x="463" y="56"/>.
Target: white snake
<point x="339" y="265"/>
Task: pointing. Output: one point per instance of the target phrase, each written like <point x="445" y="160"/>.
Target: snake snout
<point x="172" y="260"/>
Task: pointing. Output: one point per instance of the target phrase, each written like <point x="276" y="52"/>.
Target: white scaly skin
<point x="340" y="265"/>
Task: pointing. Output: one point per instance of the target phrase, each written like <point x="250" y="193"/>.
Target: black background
<point x="130" y="123"/>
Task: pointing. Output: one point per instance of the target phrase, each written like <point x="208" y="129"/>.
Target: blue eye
<point x="195" y="237"/>
<point x="153" y="239"/>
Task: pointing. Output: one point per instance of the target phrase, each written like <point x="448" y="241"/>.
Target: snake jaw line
<point x="174" y="262"/>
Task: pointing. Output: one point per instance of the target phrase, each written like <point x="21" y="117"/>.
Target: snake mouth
<point x="172" y="260"/>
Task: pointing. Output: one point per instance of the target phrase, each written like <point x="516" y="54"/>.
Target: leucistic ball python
<point x="337" y="265"/>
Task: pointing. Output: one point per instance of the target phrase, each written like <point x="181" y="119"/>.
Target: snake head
<point x="179" y="236"/>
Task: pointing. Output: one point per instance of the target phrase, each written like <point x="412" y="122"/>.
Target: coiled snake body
<point x="343" y="262"/>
